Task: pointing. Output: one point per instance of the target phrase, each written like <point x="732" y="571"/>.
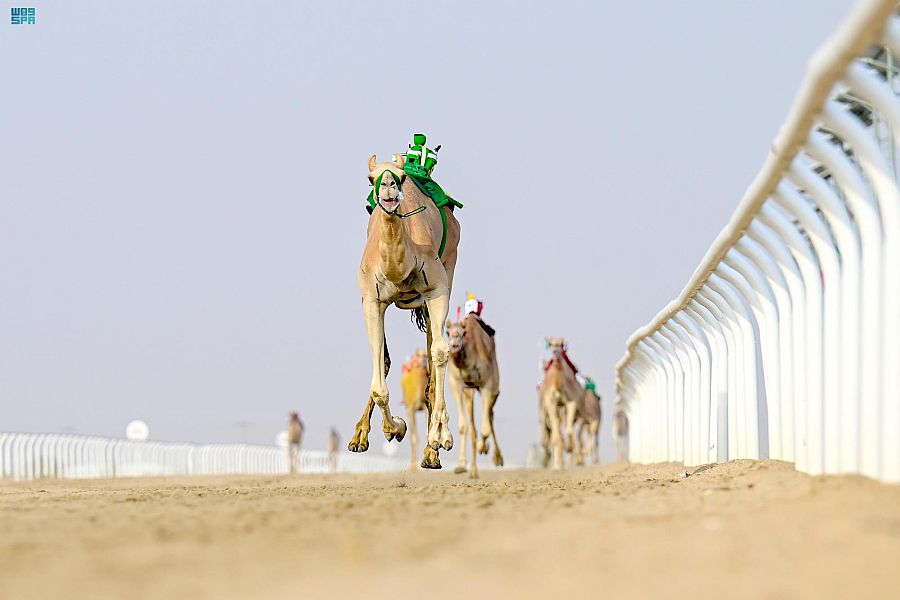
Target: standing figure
<point x="620" y="434"/>
<point x="334" y="441"/>
<point x="295" y="439"/>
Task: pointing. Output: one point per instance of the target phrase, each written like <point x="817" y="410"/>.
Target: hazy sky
<point x="182" y="189"/>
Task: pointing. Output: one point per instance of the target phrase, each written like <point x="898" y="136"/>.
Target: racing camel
<point x="560" y="395"/>
<point x="473" y="366"/>
<point x="409" y="259"/>
<point x="589" y="417"/>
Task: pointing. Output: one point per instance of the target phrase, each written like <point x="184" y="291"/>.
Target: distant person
<point x="334" y="442"/>
<point x="295" y="439"/>
<point x="620" y="433"/>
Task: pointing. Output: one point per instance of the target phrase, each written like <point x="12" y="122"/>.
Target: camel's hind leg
<point x="360" y="440"/>
<point x="473" y="435"/>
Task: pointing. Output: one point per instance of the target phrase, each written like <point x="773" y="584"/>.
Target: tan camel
<point x="589" y="418"/>
<point x="561" y="392"/>
<point x="414" y="384"/>
<point x="473" y="366"/>
<point x="402" y="265"/>
<point x="295" y="439"/>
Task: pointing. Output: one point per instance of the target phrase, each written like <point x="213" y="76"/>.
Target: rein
<point x="405" y="215"/>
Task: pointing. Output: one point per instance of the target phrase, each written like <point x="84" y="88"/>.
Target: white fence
<point x="25" y="456"/>
<point x="786" y="341"/>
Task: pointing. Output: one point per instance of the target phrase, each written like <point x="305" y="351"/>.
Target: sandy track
<point x="761" y="529"/>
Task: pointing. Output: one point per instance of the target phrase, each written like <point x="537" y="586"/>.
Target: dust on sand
<point x="746" y="529"/>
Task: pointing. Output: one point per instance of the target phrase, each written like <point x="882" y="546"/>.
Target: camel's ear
<point x="399" y="160"/>
<point x="447" y="324"/>
<point x="372" y="163"/>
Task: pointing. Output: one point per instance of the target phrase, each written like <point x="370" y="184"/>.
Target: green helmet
<point x="419" y="139"/>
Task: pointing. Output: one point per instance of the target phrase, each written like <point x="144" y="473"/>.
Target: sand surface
<point x="741" y="530"/>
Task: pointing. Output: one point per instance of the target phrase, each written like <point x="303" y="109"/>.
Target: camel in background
<point x="589" y="418"/>
<point x="402" y="264"/>
<point x="473" y="366"/>
<point x="414" y="384"/>
<point x="560" y="395"/>
<point x="295" y="439"/>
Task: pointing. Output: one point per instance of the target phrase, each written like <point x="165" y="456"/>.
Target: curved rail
<point x="785" y="343"/>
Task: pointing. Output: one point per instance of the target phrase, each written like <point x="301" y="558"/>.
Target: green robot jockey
<point x="420" y="162"/>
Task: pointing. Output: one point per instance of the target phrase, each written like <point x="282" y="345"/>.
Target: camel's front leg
<point x="552" y="414"/>
<point x="393" y="427"/>
<point x="456" y="385"/>
<point x="439" y="435"/>
<point x="594" y="441"/>
<point x="430" y="458"/>
<point x="470" y="420"/>
<point x="572" y="435"/>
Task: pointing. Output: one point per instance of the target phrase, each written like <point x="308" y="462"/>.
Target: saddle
<point x="487" y="328"/>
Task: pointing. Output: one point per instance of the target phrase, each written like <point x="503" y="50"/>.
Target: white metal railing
<point x="26" y="456"/>
<point x="785" y="343"/>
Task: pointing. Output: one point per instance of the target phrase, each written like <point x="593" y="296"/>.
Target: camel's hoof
<point x="498" y="460"/>
<point x="400" y="425"/>
<point x="473" y="475"/>
<point x="459" y="469"/>
<point x="448" y="445"/>
<point x="436" y="464"/>
<point x="431" y="460"/>
<point x="435" y="445"/>
<point x="359" y="447"/>
<point x="483" y="447"/>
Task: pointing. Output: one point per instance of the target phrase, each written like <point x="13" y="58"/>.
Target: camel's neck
<point x="474" y="350"/>
<point x="394" y="248"/>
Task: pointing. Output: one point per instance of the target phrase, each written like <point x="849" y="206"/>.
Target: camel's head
<point x="456" y="336"/>
<point x="387" y="178"/>
<point x="556" y="346"/>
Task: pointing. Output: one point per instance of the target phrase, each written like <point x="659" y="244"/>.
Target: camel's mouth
<point x="455" y="345"/>
<point x="390" y="206"/>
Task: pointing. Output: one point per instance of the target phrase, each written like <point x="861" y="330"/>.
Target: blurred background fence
<point x="26" y="456"/>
